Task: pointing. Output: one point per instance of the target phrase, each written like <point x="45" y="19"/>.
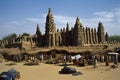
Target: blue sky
<point x="18" y="16"/>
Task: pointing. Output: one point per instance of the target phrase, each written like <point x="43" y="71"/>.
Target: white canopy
<point x="113" y="53"/>
<point x="76" y="56"/>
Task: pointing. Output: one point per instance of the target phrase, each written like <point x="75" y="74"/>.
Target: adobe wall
<point x="26" y="45"/>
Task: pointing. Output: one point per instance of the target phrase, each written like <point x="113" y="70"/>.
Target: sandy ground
<point x="51" y="72"/>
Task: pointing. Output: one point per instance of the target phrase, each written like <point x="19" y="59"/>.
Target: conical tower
<point x="38" y="34"/>
<point x="101" y="36"/>
<point x="67" y="27"/>
<point x="50" y="30"/>
<point x="67" y="35"/>
<point x="78" y="33"/>
<point x="50" y="25"/>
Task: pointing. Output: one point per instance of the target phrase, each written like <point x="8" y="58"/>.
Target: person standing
<point x="95" y="62"/>
<point x="64" y="57"/>
<point x="107" y="61"/>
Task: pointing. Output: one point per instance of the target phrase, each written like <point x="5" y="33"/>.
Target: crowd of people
<point x="84" y="60"/>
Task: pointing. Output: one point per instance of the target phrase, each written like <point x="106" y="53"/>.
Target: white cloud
<point x="117" y="12"/>
<point x="61" y="21"/>
<point x="104" y="14"/>
<point x="36" y="20"/>
<point x="16" y="23"/>
<point x="119" y="20"/>
<point x="107" y="16"/>
<point x="13" y="22"/>
<point x="94" y="20"/>
<point x="64" y="19"/>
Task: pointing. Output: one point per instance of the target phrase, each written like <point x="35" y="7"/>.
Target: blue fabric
<point x="13" y="72"/>
<point x="6" y="76"/>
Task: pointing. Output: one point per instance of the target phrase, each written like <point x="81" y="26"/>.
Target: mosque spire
<point x="78" y="23"/>
<point x="49" y="11"/>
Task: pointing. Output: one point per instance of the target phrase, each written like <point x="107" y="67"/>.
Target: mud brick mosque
<point x="77" y="36"/>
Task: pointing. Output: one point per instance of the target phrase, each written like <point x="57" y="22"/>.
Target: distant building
<point x="76" y="36"/>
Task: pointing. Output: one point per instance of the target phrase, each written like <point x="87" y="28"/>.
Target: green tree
<point x="25" y="34"/>
<point x="10" y="37"/>
<point x="114" y="38"/>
